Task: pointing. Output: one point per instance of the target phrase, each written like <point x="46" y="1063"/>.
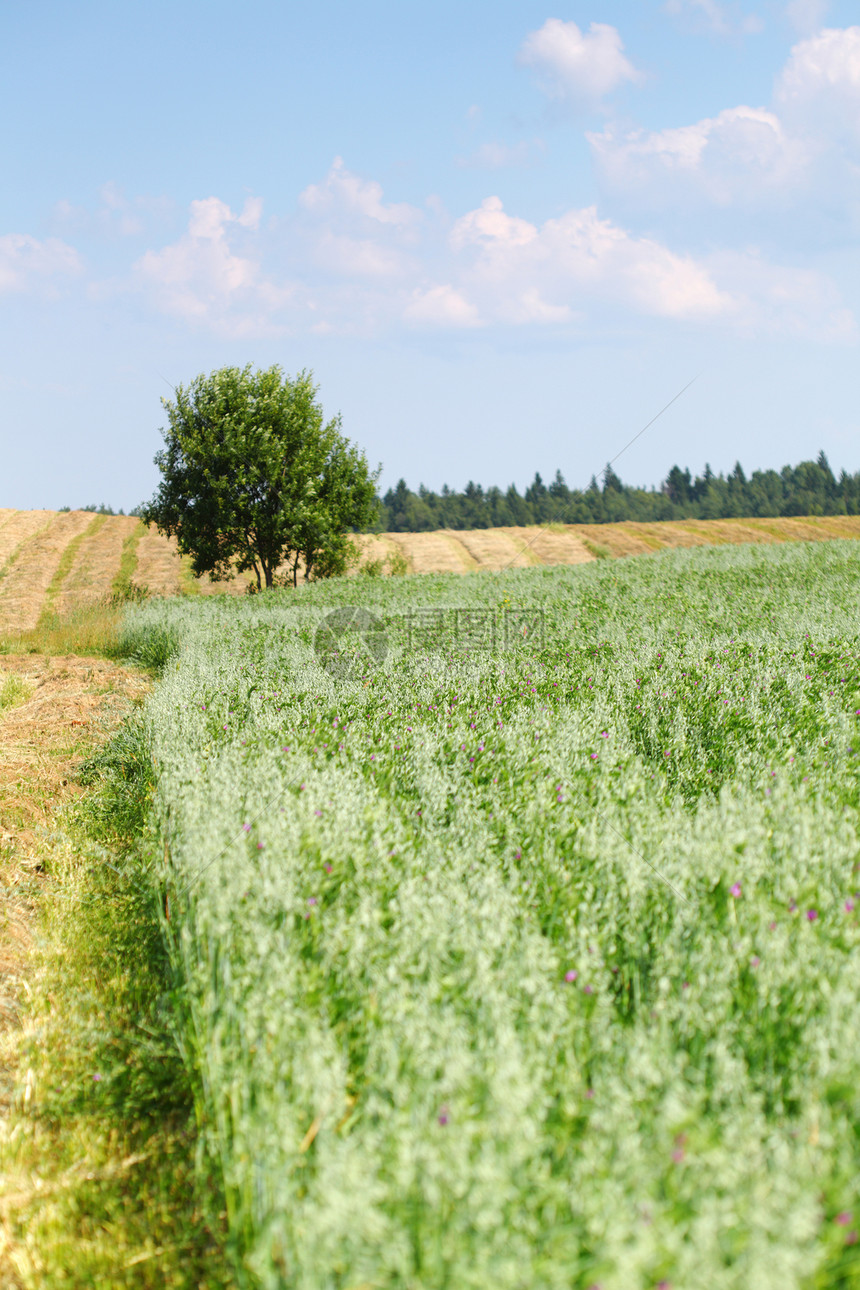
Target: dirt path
<point x="66" y="705"/>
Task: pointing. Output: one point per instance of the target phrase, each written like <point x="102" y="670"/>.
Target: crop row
<point x="524" y="966"/>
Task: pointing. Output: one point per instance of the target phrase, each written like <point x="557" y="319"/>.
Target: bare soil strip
<point x="27" y="578"/>
<point x="71" y="702"/>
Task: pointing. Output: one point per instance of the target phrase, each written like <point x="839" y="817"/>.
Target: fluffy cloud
<point x="749" y="157"/>
<point x="347" y="229"/>
<point x="576" y="65"/>
<point x="27" y="264"/>
<point x="202" y="278"/>
<point x="349" y="262"/>
<point x="819" y="87"/>
<point x="441" y="306"/>
<point x="344" y="193"/>
<point x="528" y="273"/>
<point x="739" y="156"/>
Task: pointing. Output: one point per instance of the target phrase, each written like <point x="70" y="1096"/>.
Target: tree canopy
<point x="810" y="488"/>
<point x="254" y="478"/>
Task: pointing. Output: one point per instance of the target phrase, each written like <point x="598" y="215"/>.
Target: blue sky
<point x="502" y="237"/>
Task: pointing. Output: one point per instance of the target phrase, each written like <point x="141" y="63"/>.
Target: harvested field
<point x="159" y="565"/>
<point x="440" y="552"/>
<point x="96" y="563"/>
<point x="559" y="544"/>
<point x="61" y="704"/>
<point x="498" y="549"/>
<point x="31" y="567"/>
<point x="52" y="561"/>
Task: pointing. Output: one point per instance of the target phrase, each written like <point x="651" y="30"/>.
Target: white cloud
<point x="27" y="264"/>
<point x="576" y="65"/>
<point x="740" y="155"/>
<point x="819" y="87"/>
<point x="774" y="299"/>
<point x="344" y="192"/>
<point x="441" y="306"/>
<point x="201" y="278"/>
<point x="575" y="259"/>
<point x="802" y="149"/>
<point x="346" y="228"/>
<point x="337" y="267"/>
<point x="807" y="16"/>
<point x="490" y="226"/>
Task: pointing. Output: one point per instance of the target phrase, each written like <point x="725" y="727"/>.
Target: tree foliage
<point x="254" y="478"/>
<point x="810" y="488"/>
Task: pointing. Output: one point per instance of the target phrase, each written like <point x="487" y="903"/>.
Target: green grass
<point x="124" y="588"/>
<point x="12" y="691"/>
<point x="99" y="1155"/>
<point x="67" y="559"/>
<point x="532" y="966"/>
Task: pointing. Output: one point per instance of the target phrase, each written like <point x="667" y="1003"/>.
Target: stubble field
<point x="52" y="563"/>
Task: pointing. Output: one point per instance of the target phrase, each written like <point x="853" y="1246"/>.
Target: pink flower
<point x="571" y="974"/>
<point x="843" y="1219"/>
<point x="812" y="914"/>
<point x="849" y="905"/>
<point x="735" y="889"/>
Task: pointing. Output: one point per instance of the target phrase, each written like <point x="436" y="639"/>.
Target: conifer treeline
<point x="810" y="488"/>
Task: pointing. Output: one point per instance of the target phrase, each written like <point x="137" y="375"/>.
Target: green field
<point x="534" y="965"/>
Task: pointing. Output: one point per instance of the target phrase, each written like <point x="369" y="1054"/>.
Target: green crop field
<point x="527" y="955"/>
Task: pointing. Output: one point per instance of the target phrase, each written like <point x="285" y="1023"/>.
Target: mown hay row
<point x="159" y="565"/>
<point x="19" y="527"/>
<point x="27" y="578"/>
<point x="96" y="564"/>
<point x="497" y="549"/>
<point x="440" y="552"/>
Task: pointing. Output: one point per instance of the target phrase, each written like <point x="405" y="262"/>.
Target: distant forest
<point x="810" y="488"/>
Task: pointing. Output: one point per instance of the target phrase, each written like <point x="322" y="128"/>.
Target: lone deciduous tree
<point x="253" y="477"/>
